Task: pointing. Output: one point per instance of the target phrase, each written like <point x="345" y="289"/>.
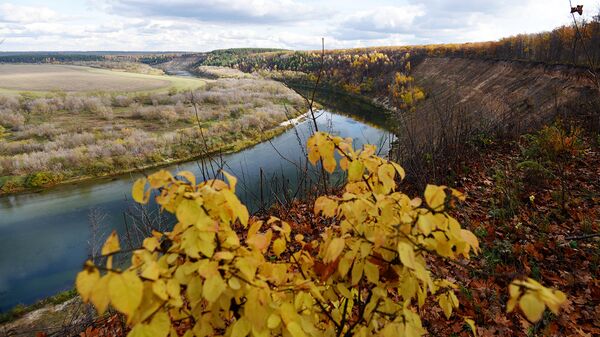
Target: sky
<point x="204" y="25"/>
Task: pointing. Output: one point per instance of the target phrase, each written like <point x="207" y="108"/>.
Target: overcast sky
<point x="202" y="25"/>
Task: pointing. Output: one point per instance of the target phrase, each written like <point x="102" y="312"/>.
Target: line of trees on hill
<point x="563" y="45"/>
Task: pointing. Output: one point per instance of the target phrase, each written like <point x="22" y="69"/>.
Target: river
<point x="44" y="237"/>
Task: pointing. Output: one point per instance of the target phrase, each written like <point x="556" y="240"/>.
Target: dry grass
<point x="49" y="77"/>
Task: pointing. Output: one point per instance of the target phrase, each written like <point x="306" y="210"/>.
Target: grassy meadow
<point x="77" y="122"/>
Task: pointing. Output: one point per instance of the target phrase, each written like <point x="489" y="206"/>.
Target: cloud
<point x="378" y="22"/>
<point x="25" y="14"/>
<point x="227" y="11"/>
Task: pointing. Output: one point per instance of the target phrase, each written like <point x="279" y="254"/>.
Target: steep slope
<point x="492" y="90"/>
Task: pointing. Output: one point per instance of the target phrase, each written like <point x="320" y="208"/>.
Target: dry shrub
<point x="13" y="120"/>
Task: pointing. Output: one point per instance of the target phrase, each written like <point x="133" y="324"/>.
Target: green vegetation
<point x="21" y="310"/>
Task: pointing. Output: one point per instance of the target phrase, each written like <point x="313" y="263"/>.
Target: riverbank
<point x="237" y="146"/>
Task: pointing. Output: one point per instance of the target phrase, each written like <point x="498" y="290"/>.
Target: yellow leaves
<point x="125" y="291"/>
<point x="435" y="196"/>
<point x="320" y="146"/>
<point x="241" y="328"/>
<point x="335" y="248"/>
<point x="137" y="191"/>
<point x="85" y="282"/>
<point x="159" y="326"/>
<point x="111" y="245"/>
<point x="447" y="302"/>
<point x="386" y="174"/>
<point x="326" y="205"/>
<point x="533" y="298"/>
<point x="471" y="240"/>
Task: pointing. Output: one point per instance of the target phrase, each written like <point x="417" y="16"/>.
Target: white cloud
<point x="25" y="14"/>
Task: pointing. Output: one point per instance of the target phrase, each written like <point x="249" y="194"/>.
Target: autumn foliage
<point x="220" y="272"/>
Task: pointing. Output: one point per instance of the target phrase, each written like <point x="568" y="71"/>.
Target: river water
<point x="44" y="237"/>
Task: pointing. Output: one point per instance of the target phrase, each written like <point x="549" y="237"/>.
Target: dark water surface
<point x="44" y="236"/>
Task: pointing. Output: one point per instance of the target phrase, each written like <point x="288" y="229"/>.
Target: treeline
<point x="231" y="57"/>
<point x="563" y="45"/>
<point x="378" y="73"/>
<point x="47" y="57"/>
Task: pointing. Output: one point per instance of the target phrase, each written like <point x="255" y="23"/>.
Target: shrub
<point x="13" y="120"/>
<point x="10" y="102"/>
<point x="365" y="275"/>
<point x="122" y="101"/>
<point x="40" y="179"/>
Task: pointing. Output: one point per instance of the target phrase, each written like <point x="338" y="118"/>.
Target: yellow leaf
<point x="85" y="282"/>
<point x="150" y="244"/>
<point x="231" y="179"/>
<point x="532" y="307"/>
<point x="151" y="271"/>
<point x="553" y="299"/>
<point x="159" y="288"/>
<point x="213" y="288"/>
<point x="386" y="173"/>
<point x="355" y="170"/>
<point x="407" y="254"/>
<point x="188" y="212"/>
<point x="160" y="179"/>
<point x="160" y="324"/>
<point x="445" y="304"/>
<point x="141" y="330"/>
<point x="471" y="325"/>
<point x="357" y="271"/>
<point x="372" y="272"/>
<point x="326" y="205"/>
<point x="335" y="248"/>
<point x="278" y="246"/>
<point x="295" y="330"/>
<point x="137" y="191"/>
<point x="435" y="196"/>
<point x="125" y="291"/>
<point x="514" y="292"/>
<point x="189" y="176"/>
<point x="241" y="328"/>
<point x="273" y="321"/>
<point x="111" y="245"/>
<point x="471" y="239"/>
<point x="99" y="295"/>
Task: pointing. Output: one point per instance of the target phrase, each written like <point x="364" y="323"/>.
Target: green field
<point x="44" y="78"/>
